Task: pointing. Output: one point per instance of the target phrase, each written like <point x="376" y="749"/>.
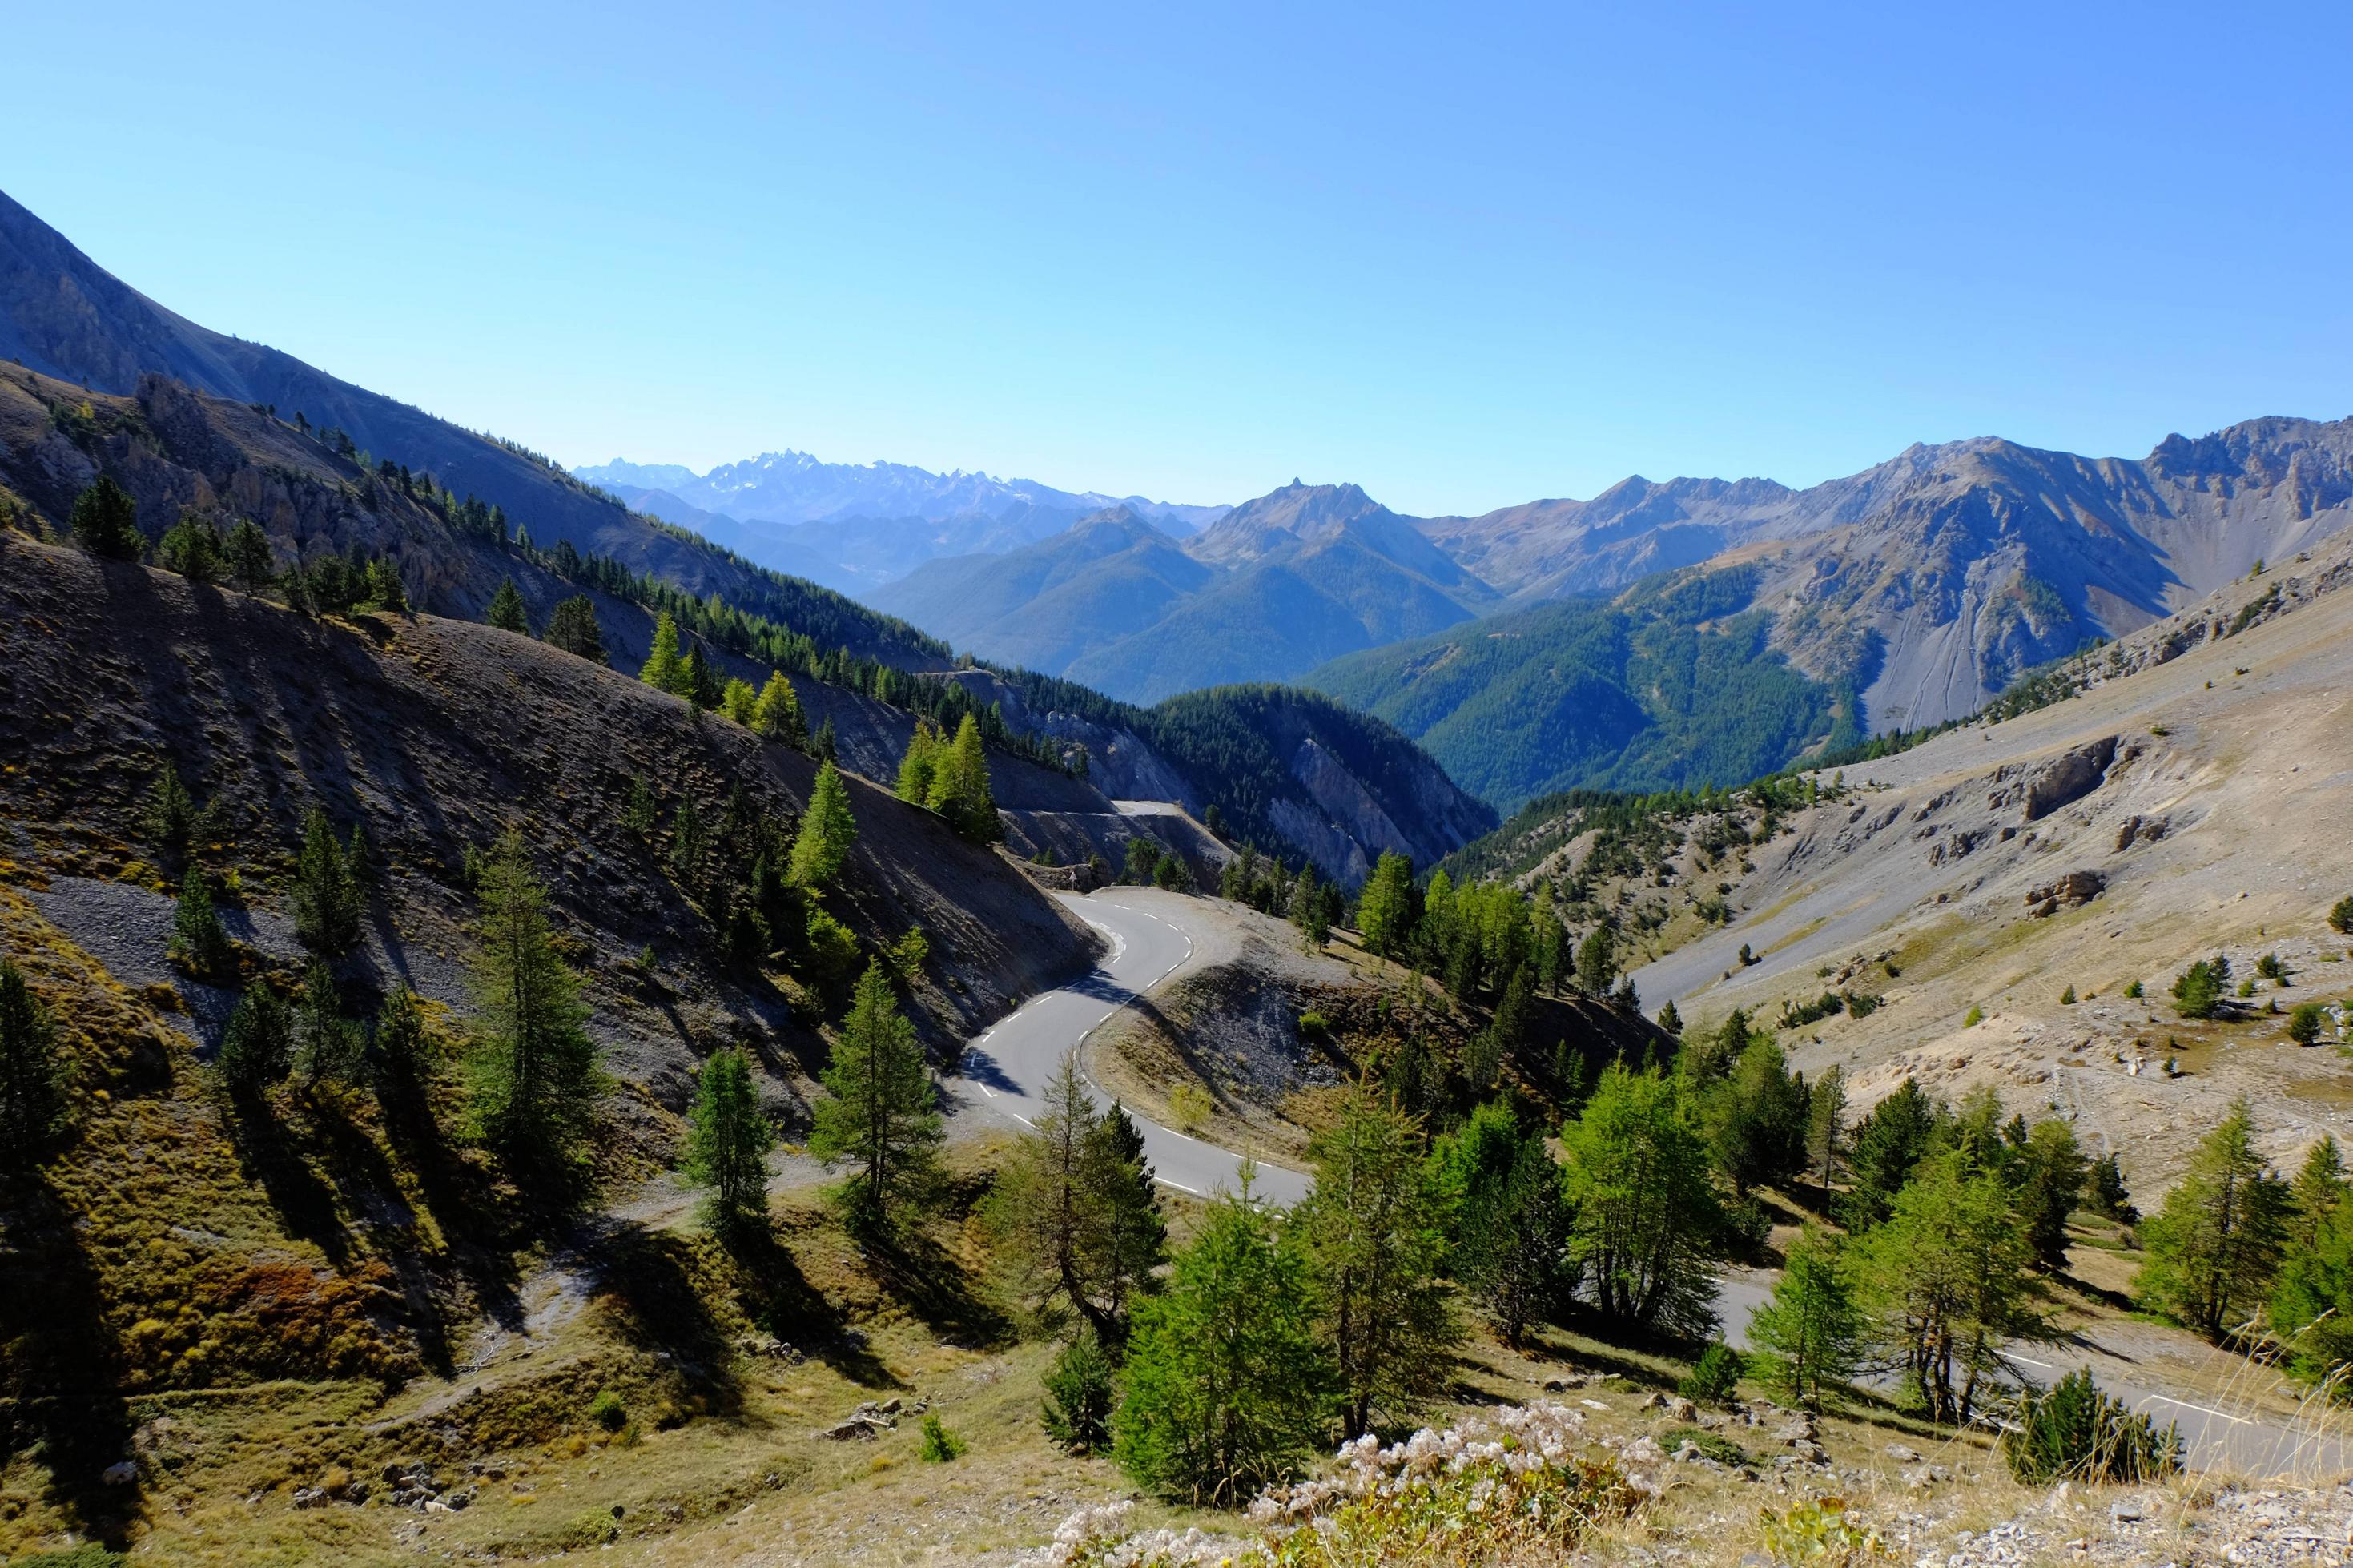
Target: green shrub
<point x="1706" y="1444"/>
<point x="608" y="1411"/>
<point x="1080" y="1394"/>
<point x="2067" y="997"/>
<point x="1975" y="1017"/>
<point x="1714" y="1376"/>
<point x="940" y="1444"/>
<point x="1817" y="1530"/>
<point x="2077" y="1433"/>
<point x="2133" y="989"/>
<point x="2341" y="916"/>
<point x="2307" y="1022"/>
<point x="597" y="1527"/>
<point x="1188" y="1107"/>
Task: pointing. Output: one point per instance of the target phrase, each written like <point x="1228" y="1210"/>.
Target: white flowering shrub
<point x="1523" y="1485"/>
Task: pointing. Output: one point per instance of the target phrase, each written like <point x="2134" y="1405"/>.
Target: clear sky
<point x="1464" y="256"/>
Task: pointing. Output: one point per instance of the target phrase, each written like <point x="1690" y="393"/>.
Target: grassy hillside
<point x="1670" y="688"/>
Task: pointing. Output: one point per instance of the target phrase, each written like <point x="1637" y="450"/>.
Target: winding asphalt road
<point x="1006" y="1068"/>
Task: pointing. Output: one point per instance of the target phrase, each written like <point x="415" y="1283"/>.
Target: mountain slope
<point x="1279" y="584"/>
<point x="1950" y="569"/>
<point x="1671" y="688"/>
<point x="62" y="315"/>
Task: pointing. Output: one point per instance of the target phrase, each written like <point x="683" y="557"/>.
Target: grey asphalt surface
<point x="1007" y="1067"/>
<point x="2247" y="1442"/>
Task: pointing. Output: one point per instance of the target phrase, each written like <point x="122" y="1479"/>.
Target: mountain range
<point x="860" y="525"/>
<point x="1902" y="596"/>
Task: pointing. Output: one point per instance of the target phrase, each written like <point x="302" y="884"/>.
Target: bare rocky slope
<point x="2191" y="799"/>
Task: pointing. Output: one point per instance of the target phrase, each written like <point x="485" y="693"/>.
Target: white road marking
<point x="2202" y="1409"/>
<point x="988" y="1091"/>
<point x="2031" y="1361"/>
<point x="1180" y="1186"/>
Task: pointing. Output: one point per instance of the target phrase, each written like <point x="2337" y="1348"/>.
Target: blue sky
<point x="1464" y="256"/>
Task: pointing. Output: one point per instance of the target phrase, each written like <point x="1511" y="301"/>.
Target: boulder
<point x="2068" y="778"/>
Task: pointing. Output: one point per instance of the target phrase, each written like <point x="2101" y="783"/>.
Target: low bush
<point x="1712" y="1377"/>
<point x="1706" y="1444"/>
<point x="939" y="1444"/>
<point x="608" y="1411"/>
<point x="2077" y="1433"/>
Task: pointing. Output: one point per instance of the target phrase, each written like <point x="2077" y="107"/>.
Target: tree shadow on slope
<point x="274" y="1160"/>
<point x="648" y="1278"/>
<point x="933" y="1283"/>
<point x="775" y="1294"/>
<point x="61" y="1368"/>
<point x="476" y="1226"/>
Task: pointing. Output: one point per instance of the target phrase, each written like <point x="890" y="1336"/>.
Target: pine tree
<point x="823" y="743"/>
<point x="199" y="944"/>
<point x="399" y="1046"/>
<point x="1387" y="913"/>
<point x="1375" y="1247"/>
<point x="1671" y="1022"/>
<point x="1597" y="961"/>
<point x="690" y="844"/>
<point x="881" y="1113"/>
<point x="572" y="627"/>
<point x="1515" y="1243"/>
<point x="778" y="714"/>
<point x="2049" y="1170"/>
<point x="728" y="1137"/>
<point x="1809" y="1333"/>
<point x="170" y="817"/>
<point x="247" y="555"/>
<point x="327" y="1047"/>
<point x="2214" y="1247"/>
<point x="827" y="831"/>
<point x="1825" y="1123"/>
<point x="736" y="701"/>
<point x="1228" y="1385"/>
<point x="662" y="666"/>
<point x="697" y="682"/>
<point x="105" y="520"/>
<point x="33" y="1072"/>
<point x="327" y="902"/>
<point x="192" y="547"/>
<point x="534" y="1074"/>
<point x="258" y="1044"/>
<point x="1081" y="1394"/>
<point x="960" y="789"/>
<point x="2319" y="1187"/>
<point x="506" y="611"/>
<point x="638" y="812"/>
<point x="1888" y="1143"/>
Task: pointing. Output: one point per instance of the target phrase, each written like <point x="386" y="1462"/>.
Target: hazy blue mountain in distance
<point x="866" y="524"/>
<point x="1277" y="585"/>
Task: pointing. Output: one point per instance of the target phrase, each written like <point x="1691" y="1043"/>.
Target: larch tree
<point x="199" y="944"/>
<point x="827" y="833"/>
<point x="728" y="1137"/>
<point x="326" y="1047"/>
<point x="536" y="1081"/>
<point x="662" y="666"/>
<point x="247" y="555"/>
<point x="1948" y="1279"/>
<point x="1390" y="906"/>
<point x="1809" y="1333"/>
<point x="258" y="1044"/>
<point x="960" y="788"/>
<point x="920" y="763"/>
<point x="2214" y="1247"/>
<point x="880" y="1114"/>
<point x="1371" y="1229"/>
<point x="1075" y="1210"/>
<point x="1646" y="1222"/>
<point x="776" y="716"/>
<point x="1228" y="1387"/>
